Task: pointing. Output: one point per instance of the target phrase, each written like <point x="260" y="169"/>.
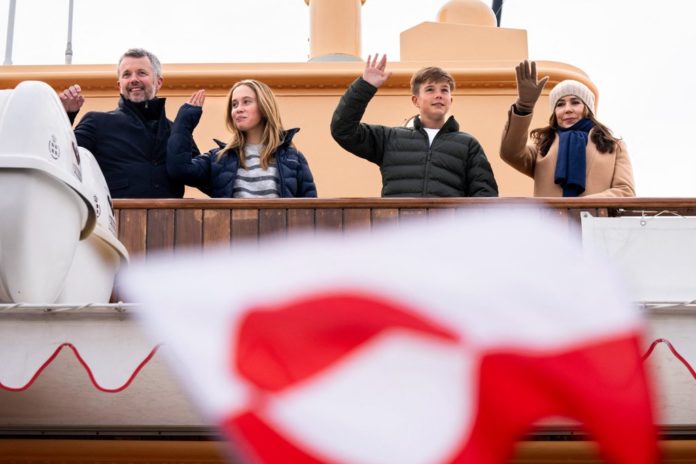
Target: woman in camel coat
<point x="575" y="155"/>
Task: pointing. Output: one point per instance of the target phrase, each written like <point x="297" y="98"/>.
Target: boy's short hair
<point x="431" y="73"/>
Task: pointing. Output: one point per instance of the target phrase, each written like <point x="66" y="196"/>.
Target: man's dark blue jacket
<point x="130" y="145"/>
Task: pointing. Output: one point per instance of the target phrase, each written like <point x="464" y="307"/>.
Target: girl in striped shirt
<point x="259" y="159"/>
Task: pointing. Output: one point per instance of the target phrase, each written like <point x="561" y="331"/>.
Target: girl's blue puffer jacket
<point x="216" y="177"/>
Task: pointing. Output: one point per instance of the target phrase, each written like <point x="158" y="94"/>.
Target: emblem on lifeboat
<point x="76" y="152"/>
<point x="53" y="147"/>
<point x="97" y="208"/>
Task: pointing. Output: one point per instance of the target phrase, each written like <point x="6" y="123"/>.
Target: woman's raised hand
<point x="374" y="72"/>
<point x="197" y="98"/>
<point x="528" y="88"/>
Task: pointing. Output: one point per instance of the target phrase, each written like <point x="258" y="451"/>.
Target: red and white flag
<point x="435" y="342"/>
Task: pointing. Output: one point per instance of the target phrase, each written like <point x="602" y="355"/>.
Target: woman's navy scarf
<point x="572" y="160"/>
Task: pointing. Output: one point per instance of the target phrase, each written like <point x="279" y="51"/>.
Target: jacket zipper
<point x="427" y="158"/>
<point x="281" y="182"/>
<point x="427" y="171"/>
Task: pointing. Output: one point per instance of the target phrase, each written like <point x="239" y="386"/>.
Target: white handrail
<point x="24" y="308"/>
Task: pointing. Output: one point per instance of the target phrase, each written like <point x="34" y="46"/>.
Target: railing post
<point x="10" y="33"/>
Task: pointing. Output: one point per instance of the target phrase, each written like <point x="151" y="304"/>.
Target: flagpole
<point x="498" y="10"/>
<point x="10" y="33"/>
<point x="68" y="49"/>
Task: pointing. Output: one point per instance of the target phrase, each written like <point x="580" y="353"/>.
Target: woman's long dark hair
<point x="600" y="135"/>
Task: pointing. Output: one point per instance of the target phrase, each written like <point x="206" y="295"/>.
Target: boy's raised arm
<point x="360" y="139"/>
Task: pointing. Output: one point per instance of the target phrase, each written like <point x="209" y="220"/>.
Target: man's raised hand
<point x="72" y="99"/>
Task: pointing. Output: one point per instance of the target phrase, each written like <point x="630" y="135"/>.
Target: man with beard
<point x="130" y="142"/>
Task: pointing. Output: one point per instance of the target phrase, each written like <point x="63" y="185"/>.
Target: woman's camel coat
<point x="608" y="174"/>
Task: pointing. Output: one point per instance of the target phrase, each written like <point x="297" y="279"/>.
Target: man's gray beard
<point x="146" y="97"/>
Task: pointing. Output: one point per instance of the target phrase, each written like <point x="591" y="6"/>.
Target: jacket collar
<point x="451" y="125"/>
<point x="150" y="109"/>
<point x="289" y="134"/>
<point x="287" y="138"/>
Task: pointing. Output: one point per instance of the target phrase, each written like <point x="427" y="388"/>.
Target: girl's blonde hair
<point x="273" y="132"/>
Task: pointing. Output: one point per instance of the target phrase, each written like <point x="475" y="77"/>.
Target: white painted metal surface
<point x="657" y="257"/>
<point x="97" y="258"/>
<point x="44" y="208"/>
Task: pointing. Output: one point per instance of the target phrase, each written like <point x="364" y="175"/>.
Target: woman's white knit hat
<point x="571" y="87"/>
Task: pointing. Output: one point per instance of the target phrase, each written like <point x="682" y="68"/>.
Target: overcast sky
<point x="641" y="55"/>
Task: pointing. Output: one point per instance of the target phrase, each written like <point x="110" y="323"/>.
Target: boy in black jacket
<point x="432" y="158"/>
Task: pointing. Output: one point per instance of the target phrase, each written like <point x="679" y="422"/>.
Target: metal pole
<point x="10" y="33"/>
<point x="498" y="10"/>
<point x="68" y="48"/>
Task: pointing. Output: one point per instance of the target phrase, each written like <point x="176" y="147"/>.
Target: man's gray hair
<point x="142" y="53"/>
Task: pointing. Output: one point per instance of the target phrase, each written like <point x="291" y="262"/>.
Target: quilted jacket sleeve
<point x="305" y="181"/>
<point x="364" y="140"/>
<point x="182" y="163"/>
<point x="479" y="172"/>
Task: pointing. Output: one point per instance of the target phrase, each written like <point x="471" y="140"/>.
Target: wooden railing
<point x="167" y="225"/>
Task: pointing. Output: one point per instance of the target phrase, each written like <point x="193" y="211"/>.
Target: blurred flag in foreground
<point x="431" y="342"/>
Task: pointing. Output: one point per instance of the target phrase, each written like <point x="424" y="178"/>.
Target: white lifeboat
<point x="98" y="257"/>
<point x="44" y="209"/>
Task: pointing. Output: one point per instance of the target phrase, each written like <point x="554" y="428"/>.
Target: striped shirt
<point x="254" y="181"/>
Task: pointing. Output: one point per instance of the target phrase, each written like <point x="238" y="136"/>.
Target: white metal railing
<point x="92" y="308"/>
